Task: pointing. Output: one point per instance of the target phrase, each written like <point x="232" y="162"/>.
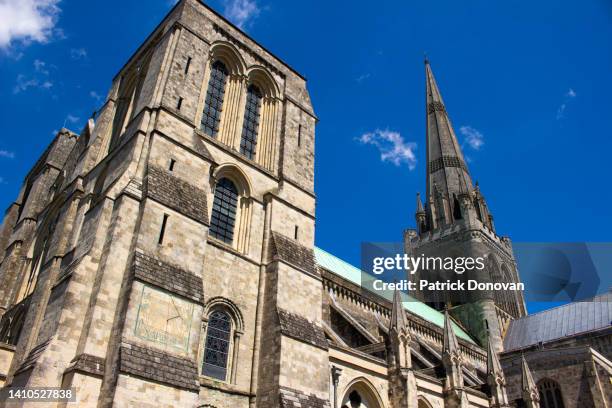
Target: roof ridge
<point x="589" y="300"/>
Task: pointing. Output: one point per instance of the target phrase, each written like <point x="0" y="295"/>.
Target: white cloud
<point x="6" y="154"/>
<point x="362" y="77"/>
<point x="241" y="12"/>
<point x="23" y="83"/>
<point x="392" y="146"/>
<point x="95" y="95"/>
<point x="41" y="66"/>
<point x="72" y="118"/>
<point x="472" y="136"/>
<point x="78" y="53"/>
<point x="27" y="21"/>
<point x="569" y="95"/>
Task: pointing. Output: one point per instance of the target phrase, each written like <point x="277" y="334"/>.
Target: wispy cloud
<point x="6" y="154"/>
<point x="27" y="21"/>
<point x="72" y="119"/>
<point x="41" y="66"/>
<point x="38" y="80"/>
<point x="241" y="12"/>
<point x="78" y="53"/>
<point x="363" y="77"/>
<point x="95" y="95"/>
<point x="569" y="95"/>
<point x="473" y="137"/>
<point x="23" y="83"/>
<point x="392" y="147"/>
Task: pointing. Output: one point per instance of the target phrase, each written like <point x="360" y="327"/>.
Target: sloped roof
<point x="563" y="321"/>
<point x="347" y="271"/>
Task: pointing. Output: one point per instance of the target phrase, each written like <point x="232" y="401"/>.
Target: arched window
<point x="550" y="394"/>
<point x="250" y="125"/>
<point x="214" y="99"/>
<point x="361" y="394"/>
<point x="223" y="216"/>
<point x="217" y="347"/>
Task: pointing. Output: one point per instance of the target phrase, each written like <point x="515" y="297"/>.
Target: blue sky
<point x="528" y="82"/>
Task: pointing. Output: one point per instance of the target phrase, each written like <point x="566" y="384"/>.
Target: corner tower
<point x="455" y="221"/>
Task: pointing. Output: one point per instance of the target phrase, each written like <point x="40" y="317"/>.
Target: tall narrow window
<point x="223" y="215"/>
<point x="217" y="345"/>
<point x="162" y="230"/>
<point x="187" y="65"/>
<point x="214" y="99"/>
<point x="250" y="125"/>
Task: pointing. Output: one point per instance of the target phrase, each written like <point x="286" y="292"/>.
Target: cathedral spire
<point x="445" y="164"/>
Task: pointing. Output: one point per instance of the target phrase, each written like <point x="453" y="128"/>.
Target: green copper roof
<point x="349" y="272"/>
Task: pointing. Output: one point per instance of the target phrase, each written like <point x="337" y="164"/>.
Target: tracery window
<point x="223" y="217"/>
<point x="216" y="350"/>
<point x="250" y="126"/>
<point x="211" y="117"/>
<point x="550" y="394"/>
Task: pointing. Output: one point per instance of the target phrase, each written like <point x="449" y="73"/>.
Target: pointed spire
<point x="528" y="384"/>
<point x="399" y="321"/>
<point x="445" y="163"/>
<point x="493" y="365"/>
<point x="419" y="204"/>
<point x="451" y="345"/>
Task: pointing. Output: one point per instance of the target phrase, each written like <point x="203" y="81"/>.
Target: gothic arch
<point x="368" y="395"/>
<point x="422" y="402"/>
<point x="551" y="395"/>
<point x="236" y="175"/>
<point x="229" y="55"/>
<point x="260" y="77"/>
<point x="228" y="306"/>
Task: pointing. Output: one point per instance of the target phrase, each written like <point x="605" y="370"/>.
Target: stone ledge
<point x="158" y="366"/>
<point x="301" y="329"/>
<point x="224" y="387"/>
<point x="156" y="272"/>
<point x="88" y="364"/>
<point x="294" y="253"/>
<point x="291" y="398"/>
<point x="177" y="194"/>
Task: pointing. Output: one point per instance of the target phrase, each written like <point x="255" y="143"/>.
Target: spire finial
<point x="451" y="345"/>
<point x="399" y="321"/>
<point x="493" y="364"/>
<point x="527" y="382"/>
<point x="419" y="204"/>
<point x="426" y="58"/>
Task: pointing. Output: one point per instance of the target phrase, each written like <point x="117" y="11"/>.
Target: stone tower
<point x="455" y="221"/>
<point x="144" y="257"/>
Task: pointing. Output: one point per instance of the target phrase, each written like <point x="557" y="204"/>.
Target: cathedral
<point x="164" y="257"/>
